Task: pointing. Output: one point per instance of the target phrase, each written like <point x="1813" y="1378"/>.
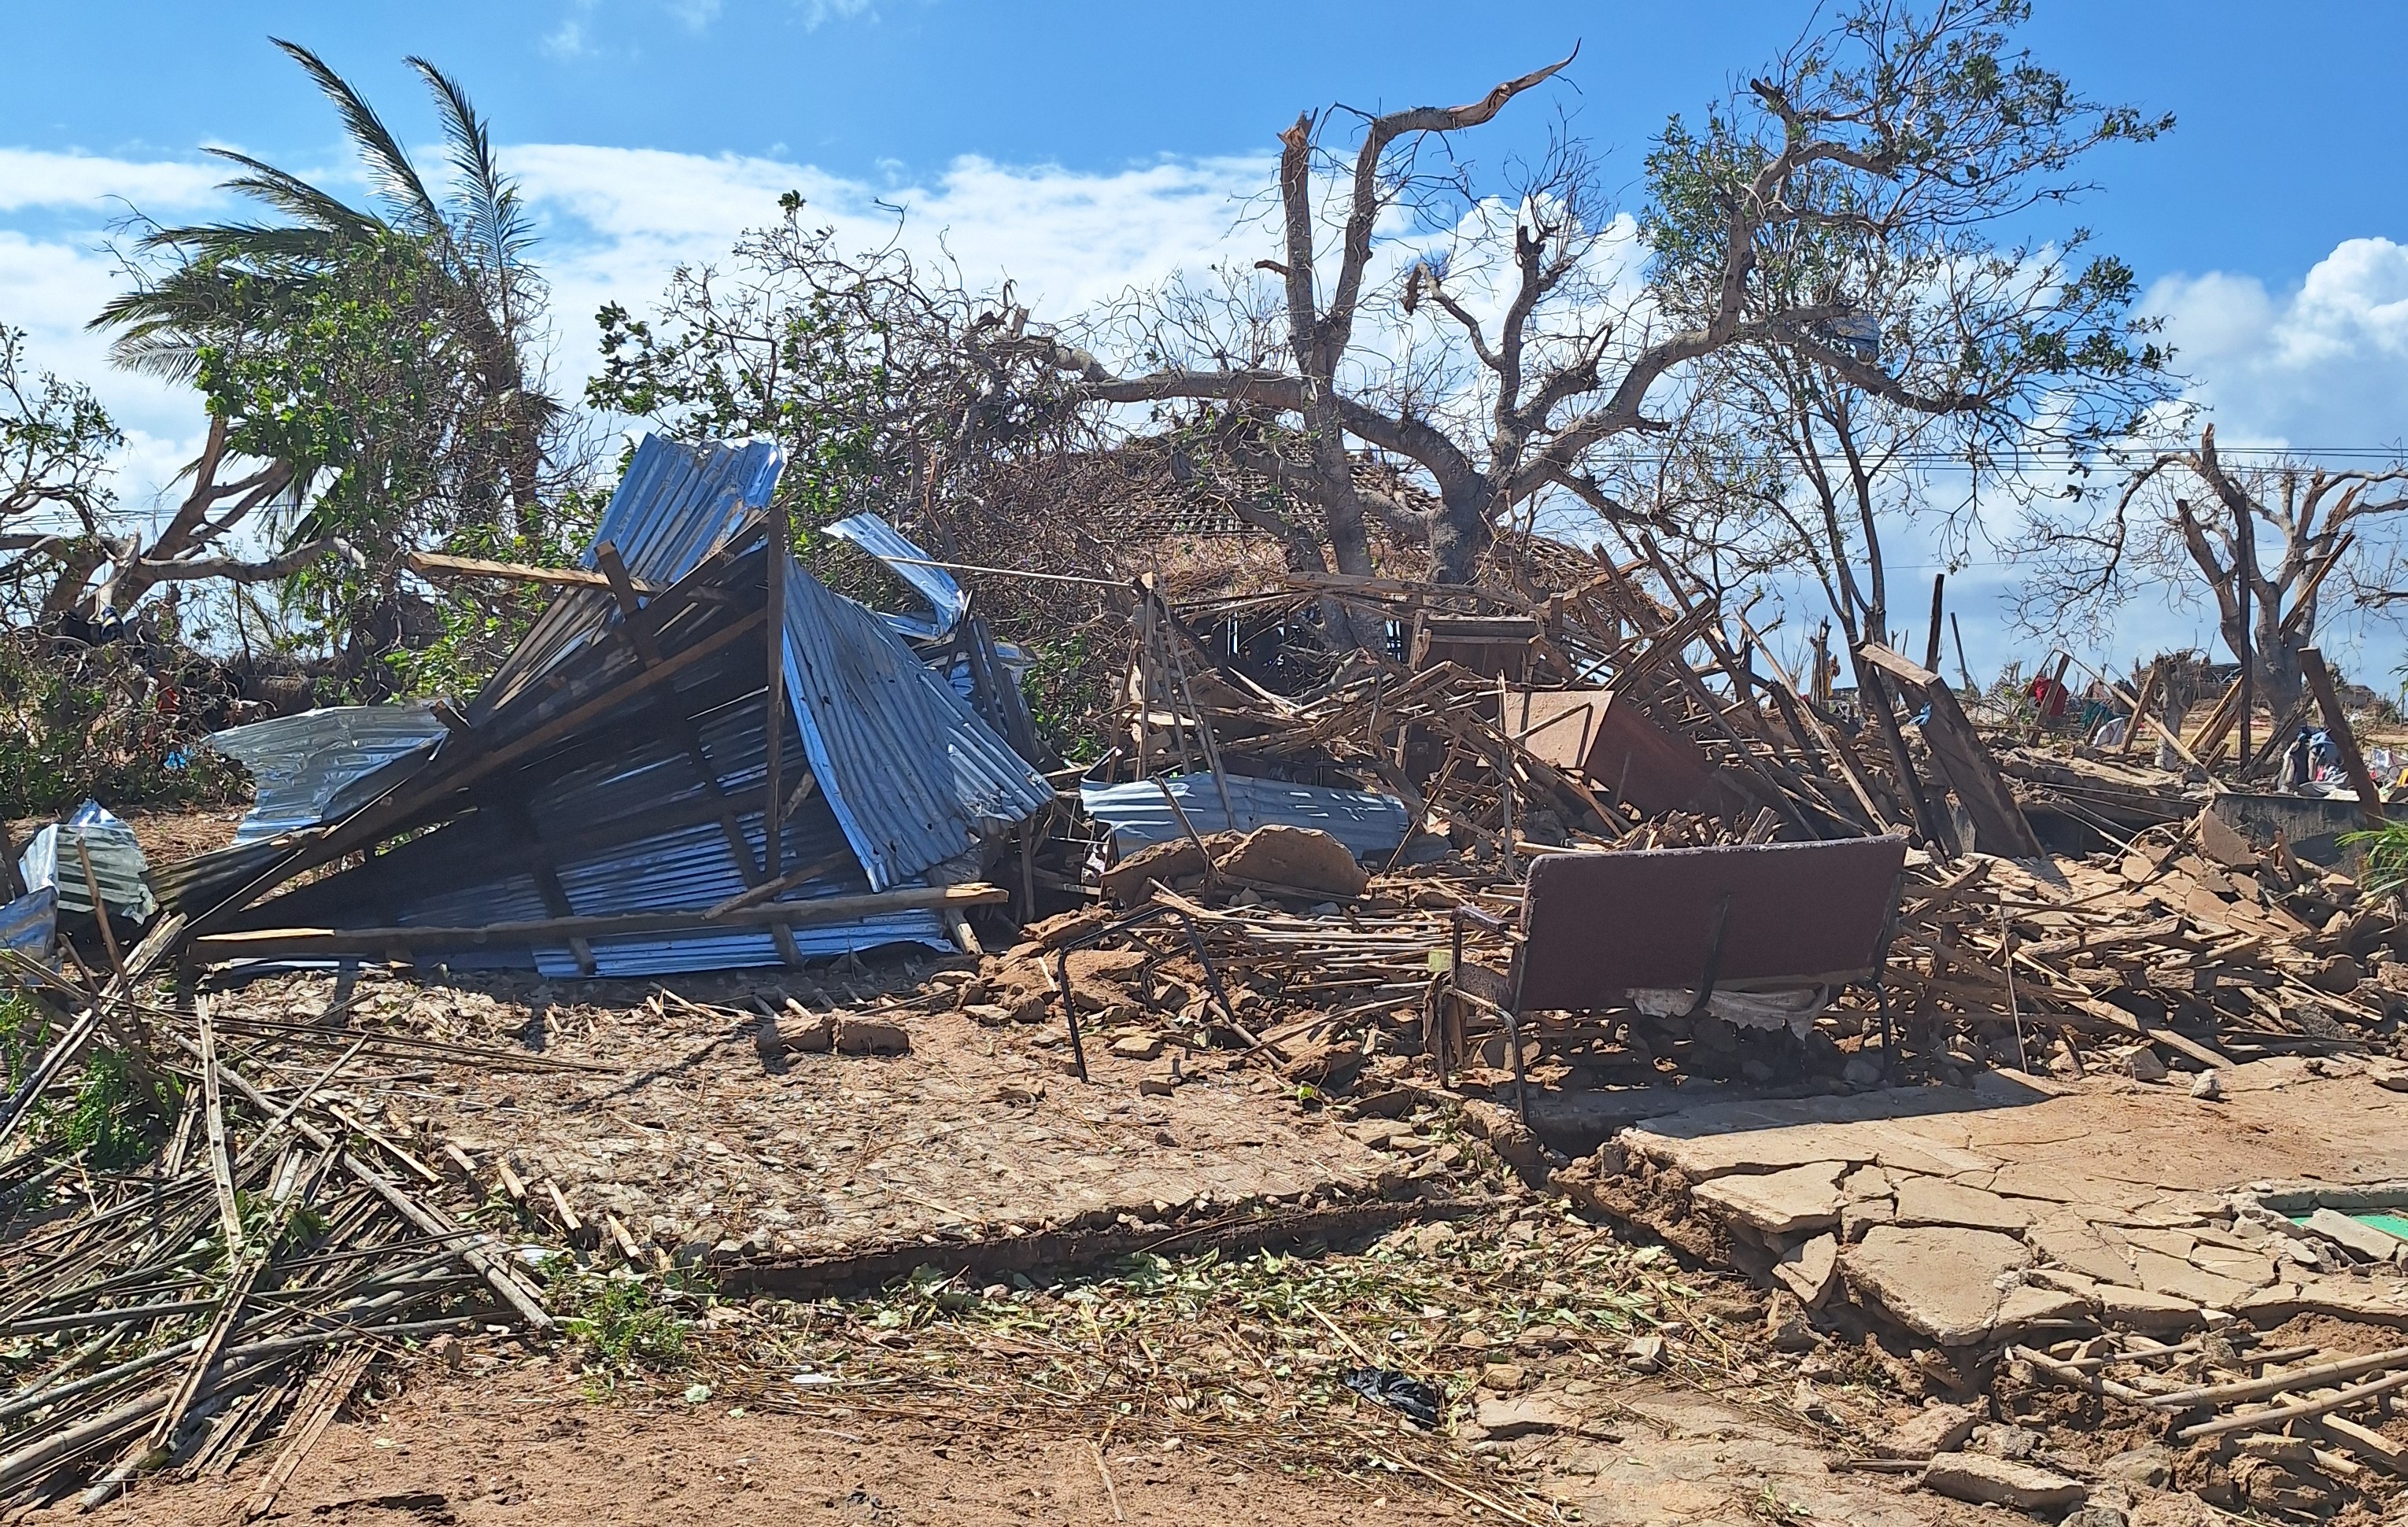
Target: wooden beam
<point x="436" y="564"/>
<point x="2312" y="664"/>
<point x="282" y="942"/>
<point x="1997" y="818"/>
<point x="1931" y="648"/>
<point x="773" y="699"/>
<point x="2148" y="696"/>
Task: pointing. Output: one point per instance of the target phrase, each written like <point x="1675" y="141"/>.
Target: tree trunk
<point x="2275" y="678"/>
<point x="1458" y="534"/>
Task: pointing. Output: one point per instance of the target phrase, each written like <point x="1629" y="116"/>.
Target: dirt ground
<point x="525" y="1445"/>
<point x="1584" y="1376"/>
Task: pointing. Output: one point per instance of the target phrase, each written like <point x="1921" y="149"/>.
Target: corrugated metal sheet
<point x="1370" y="824"/>
<point x="912" y="773"/>
<point x="678" y="501"/>
<point x="947" y="600"/>
<point x="674" y="506"/>
<point x="51" y="859"/>
<point x="909" y="776"/>
<point x="322" y="765"/>
<point x="193" y="884"/>
<point x="30" y="925"/>
<point x="678" y="867"/>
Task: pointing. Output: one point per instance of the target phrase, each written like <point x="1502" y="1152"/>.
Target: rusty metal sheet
<point x="1598" y="925"/>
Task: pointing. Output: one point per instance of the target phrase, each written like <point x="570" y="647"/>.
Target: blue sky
<point x="1080" y="146"/>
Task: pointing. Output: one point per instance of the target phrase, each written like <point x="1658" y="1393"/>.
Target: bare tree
<point x="2270" y="543"/>
<point x="1514" y="352"/>
<point x="56" y="509"/>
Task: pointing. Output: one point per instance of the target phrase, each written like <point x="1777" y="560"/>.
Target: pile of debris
<point x="226" y="1233"/>
<point x="1538" y="858"/>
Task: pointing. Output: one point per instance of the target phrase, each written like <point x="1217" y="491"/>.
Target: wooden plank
<point x="773" y="700"/>
<point x="2208" y="742"/>
<point x="372" y="941"/>
<point x="317" y="1408"/>
<point x="2148" y="698"/>
<point x="1800" y="714"/>
<point x="2353" y="762"/>
<point x="436" y="564"/>
<point x="1998" y="821"/>
<point x="212" y="1101"/>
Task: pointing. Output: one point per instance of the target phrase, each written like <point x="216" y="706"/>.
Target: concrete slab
<point x="1801" y="1200"/>
<point x="2069" y="1241"/>
<point x="1944" y="1282"/>
<point x="2032" y="1303"/>
<point x="1937" y="1201"/>
<point x="2161" y="1273"/>
<point x="1809" y="1269"/>
<point x="2141" y="1310"/>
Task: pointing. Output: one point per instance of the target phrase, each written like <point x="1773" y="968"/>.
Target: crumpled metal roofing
<point x="908" y="776"/>
<point x="948" y="602"/>
<point x="674" y="506"/>
<point x="322" y="765"/>
<point x="912" y="773"/>
<point x="684" y="865"/>
<point x="678" y="501"/>
<point x="117" y="865"/>
<point x="1369" y="823"/>
<point x="30" y="925"/>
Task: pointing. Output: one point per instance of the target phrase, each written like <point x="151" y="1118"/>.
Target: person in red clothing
<point x="2050" y="697"/>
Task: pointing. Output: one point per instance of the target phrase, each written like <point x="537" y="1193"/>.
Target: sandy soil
<point x="522" y="1445"/>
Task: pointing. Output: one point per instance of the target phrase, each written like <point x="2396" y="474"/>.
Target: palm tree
<point x="223" y="282"/>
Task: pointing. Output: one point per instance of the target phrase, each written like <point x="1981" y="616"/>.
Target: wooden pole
<point x="12" y="885"/>
<point x="1931" y="648"/>
<point x="2312" y="664"/>
<point x="2245" y="543"/>
<point x="1875" y="696"/>
<point x="1964" y="669"/>
<point x="2148" y="698"/>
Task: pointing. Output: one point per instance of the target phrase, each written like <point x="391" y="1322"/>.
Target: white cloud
<point x="619" y="220"/>
<point x="2324" y="366"/>
<point x="566" y="40"/>
<point x="816" y="12"/>
<point x="32" y="177"/>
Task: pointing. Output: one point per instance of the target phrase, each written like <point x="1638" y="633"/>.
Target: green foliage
<point x="105" y="723"/>
<point x="801" y="349"/>
<point x="24" y="1030"/>
<point x="112" y="1117"/>
<point x="1069" y="691"/>
<point x="481" y="624"/>
<point x="56" y="440"/>
<point x="2386" y="851"/>
<point x="627" y="1323"/>
<point x="360" y="379"/>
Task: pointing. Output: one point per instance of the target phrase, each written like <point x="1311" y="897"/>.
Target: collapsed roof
<point x="600" y="806"/>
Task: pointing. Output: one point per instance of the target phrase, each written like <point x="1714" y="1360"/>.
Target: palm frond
<point x="168" y="355"/>
<point x="494" y="218"/>
<point x="296" y="197"/>
<point x="253" y="244"/>
<point x="389" y="166"/>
